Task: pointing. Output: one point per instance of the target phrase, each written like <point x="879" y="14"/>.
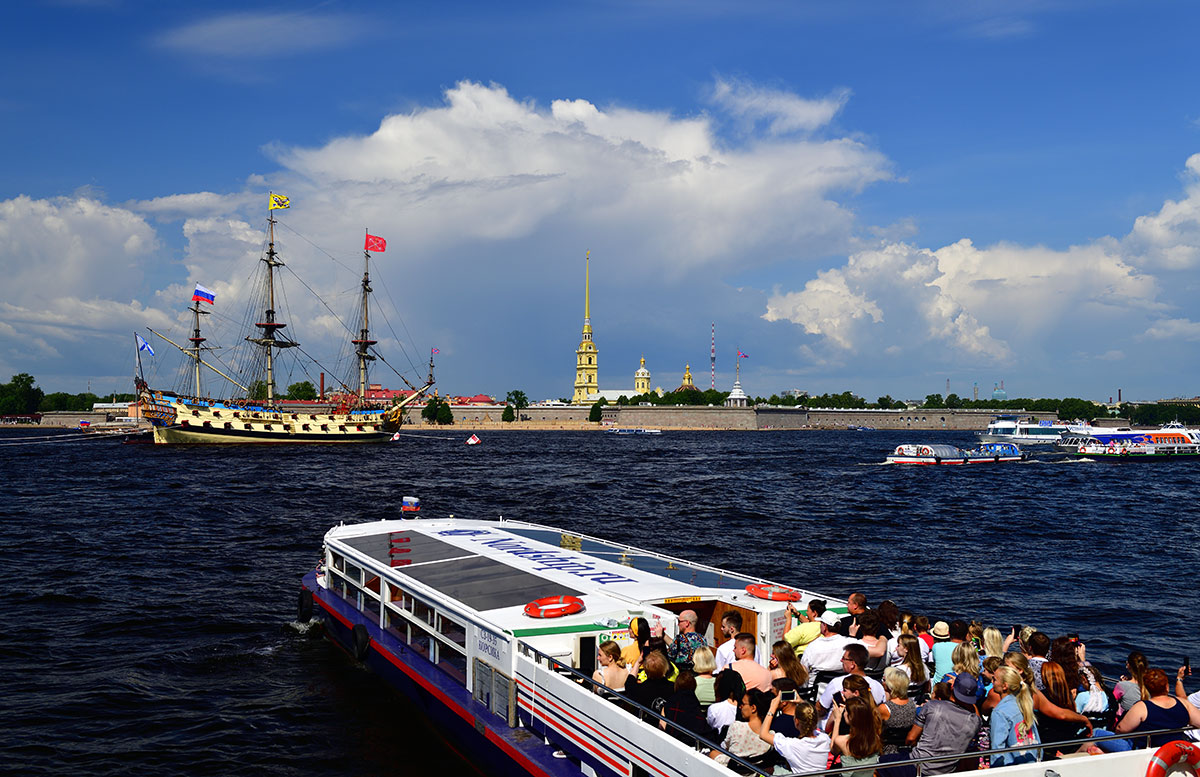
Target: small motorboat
<point x="940" y="453"/>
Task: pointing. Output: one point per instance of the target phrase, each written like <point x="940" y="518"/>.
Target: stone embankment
<point x="742" y="419"/>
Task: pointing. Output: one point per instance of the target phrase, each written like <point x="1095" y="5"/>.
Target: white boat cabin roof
<point x="495" y="568"/>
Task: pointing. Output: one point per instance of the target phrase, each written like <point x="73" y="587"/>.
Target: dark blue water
<point x="150" y="592"/>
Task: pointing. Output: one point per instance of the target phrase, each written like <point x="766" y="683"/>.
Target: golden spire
<point x="587" y="292"/>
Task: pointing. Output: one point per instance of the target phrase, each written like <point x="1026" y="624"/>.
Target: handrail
<point x="1000" y="750"/>
<point x="700" y="742"/>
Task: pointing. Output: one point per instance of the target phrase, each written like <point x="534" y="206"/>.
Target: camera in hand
<point x="838" y="699"/>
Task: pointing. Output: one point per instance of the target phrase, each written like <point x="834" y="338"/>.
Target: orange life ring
<point x="775" y="593"/>
<point x="554" y="606"/>
<point x="1172" y="753"/>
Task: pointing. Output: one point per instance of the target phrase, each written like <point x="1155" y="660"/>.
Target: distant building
<point x="737" y="397"/>
<point x="687" y="384"/>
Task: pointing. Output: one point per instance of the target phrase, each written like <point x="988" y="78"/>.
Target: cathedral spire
<point x="587" y="292"/>
<point x="586" y="356"/>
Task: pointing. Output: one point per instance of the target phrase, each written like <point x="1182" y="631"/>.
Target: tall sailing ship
<point x="260" y="417"/>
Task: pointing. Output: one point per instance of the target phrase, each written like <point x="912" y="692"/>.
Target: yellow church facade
<point x="587" y="359"/>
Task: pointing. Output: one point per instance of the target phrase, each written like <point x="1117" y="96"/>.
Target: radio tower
<point x="712" y="356"/>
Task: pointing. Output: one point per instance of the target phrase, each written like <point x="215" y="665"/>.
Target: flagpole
<point x="137" y="355"/>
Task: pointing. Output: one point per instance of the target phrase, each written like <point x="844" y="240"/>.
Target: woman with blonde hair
<point x="1041" y="705"/>
<point x="785" y="664"/>
<point x="993" y="642"/>
<point x="704" y="663"/>
<point x="1013" y="722"/>
<point x="964" y="659"/>
<point x="898" y="712"/>
<point x="612" y="671"/>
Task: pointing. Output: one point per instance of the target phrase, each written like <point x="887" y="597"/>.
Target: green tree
<point x="304" y="390"/>
<point x="517" y="399"/>
<point x="1072" y="408"/>
<point x="258" y="390"/>
<point x="20" y="396"/>
<point x="430" y="413"/>
<point x="444" y="415"/>
<point x="595" y="415"/>
<point x="508" y="416"/>
<point x="953" y="401"/>
<point x="934" y="400"/>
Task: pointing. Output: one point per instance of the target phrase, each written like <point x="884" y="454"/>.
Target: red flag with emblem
<point x="374" y="243"/>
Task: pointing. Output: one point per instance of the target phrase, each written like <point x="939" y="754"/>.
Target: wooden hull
<point x="186" y="436"/>
<point x="192" y="421"/>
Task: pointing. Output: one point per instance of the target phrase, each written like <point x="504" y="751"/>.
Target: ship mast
<point x="363" y="343"/>
<point x="196" y="339"/>
<point x="269" y="326"/>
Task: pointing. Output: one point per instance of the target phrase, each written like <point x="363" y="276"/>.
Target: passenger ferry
<point x="1089" y="448"/>
<point x="491" y="629"/>
<point x="1009" y="428"/>
<point x="639" y="430"/>
<point x="1170" y="434"/>
<point x="940" y="453"/>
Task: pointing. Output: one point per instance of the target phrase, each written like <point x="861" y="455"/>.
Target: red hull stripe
<point x="565" y="730"/>
<point x="599" y="734"/>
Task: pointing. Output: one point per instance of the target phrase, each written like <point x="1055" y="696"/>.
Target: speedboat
<point x="940" y="453"/>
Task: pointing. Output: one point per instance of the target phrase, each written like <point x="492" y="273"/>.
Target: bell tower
<point x="641" y="379"/>
<point x="587" y="366"/>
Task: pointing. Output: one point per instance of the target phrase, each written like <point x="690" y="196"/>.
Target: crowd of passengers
<point x="879" y="686"/>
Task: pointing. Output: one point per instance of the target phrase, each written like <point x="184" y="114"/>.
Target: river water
<point x="150" y="596"/>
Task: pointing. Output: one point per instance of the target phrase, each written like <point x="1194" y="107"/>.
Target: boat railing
<point x="700" y="744"/>
<point x="610" y="696"/>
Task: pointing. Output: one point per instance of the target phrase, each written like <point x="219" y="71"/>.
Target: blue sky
<point x="873" y="196"/>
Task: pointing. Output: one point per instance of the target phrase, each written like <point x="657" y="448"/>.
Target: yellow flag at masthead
<point x="277" y="201"/>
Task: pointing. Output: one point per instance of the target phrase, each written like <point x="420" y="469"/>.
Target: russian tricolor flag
<point x="204" y="295"/>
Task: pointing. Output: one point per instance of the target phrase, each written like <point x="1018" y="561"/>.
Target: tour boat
<point x="491" y="629"/>
<point x="624" y="432"/>
<point x="940" y="453"/>
<point x="1009" y="428"/>
<point x="1090" y="448"/>
<point x="261" y="417"/>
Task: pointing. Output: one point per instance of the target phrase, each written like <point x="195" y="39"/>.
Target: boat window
<point x="420" y="640"/>
<point x="452" y="630"/>
<point x="217" y="413"/>
<point x="424" y="612"/>
<point x="338" y="561"/>
<point x="228" y="425"/>
<point x="248" y="426"/>
<point x="354" y="573"/>
<point x="267" y="426"/>
<point x="454" y="665"/>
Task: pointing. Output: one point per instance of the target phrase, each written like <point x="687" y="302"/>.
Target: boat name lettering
<point x="489" y="644"/>
<point x="550" y="559"/>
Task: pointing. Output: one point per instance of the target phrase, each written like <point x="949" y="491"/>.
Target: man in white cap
<point x="824" y="654"/>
